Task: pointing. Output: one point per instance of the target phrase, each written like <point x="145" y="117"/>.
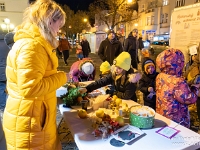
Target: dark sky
<point x="76" y="4"/>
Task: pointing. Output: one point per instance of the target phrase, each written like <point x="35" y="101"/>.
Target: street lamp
<point x="7" y="25"/>
<point x="85" y="20"/>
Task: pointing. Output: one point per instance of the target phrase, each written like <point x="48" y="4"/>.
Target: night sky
<point x="76" y="4"/>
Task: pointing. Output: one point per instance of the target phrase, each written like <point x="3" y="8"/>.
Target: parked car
<point x="157" y="47"/>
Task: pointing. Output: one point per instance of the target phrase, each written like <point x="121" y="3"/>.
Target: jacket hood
<point x="83" y="62"/>
<point x="144" y="62"/>
<point x="171" y="61"/>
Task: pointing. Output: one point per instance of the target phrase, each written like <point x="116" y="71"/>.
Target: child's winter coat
<point x="173" y="94"/>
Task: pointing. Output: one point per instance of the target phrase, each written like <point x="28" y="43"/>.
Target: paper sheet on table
<point x="168" y="132"/>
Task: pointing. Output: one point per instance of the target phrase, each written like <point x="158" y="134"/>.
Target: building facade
<point x="12" y="10"/>
<point x="154" y="17"/>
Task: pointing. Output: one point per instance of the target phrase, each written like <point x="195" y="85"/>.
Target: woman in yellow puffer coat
<point x="29" y="119"/>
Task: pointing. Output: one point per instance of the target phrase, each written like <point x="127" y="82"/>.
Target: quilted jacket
<point x="173" y="95"/>
<point x="32" y="79"/>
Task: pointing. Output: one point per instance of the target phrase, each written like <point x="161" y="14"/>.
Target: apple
<point x="120" y="120"/>
<point x="82" y="113"/>
<point x="118" y="101"/>
<point x="100" y="113"/>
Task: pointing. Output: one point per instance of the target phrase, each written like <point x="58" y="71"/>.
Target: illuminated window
<point x="149" y="20"/>
<point x="152" y="20"/>
<point x="2" y="6"/>
<point x="165" y="2"/>
<point x="180" y="3"/>
<point x="142" y="9"/>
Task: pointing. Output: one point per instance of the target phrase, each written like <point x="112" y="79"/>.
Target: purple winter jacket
<point x="173" y="94"/>
<point x="77" y="74"/>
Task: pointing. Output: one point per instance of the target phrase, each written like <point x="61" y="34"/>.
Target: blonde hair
<point x="41" y="13"/>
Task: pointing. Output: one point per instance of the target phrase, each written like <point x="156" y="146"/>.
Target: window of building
<point x="180" y="3"/>
<point x="165" y="2"/>
<point x="2" y="6"/>
<point x="152" y="20"/>
<point x="149" y="20"/>
<point x="142" y="8"/>
<point x="166" y="17"/>
<point x="162" y="18"/>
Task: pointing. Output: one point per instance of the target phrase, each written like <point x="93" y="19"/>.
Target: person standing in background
<point x="2" y="138"/>
<point x="131" y="46"/>
<point x="110" y="48"/>
<point x="120" y="37"/>
<point x="29" y="118"/>
<point x="140" y="47"/>
<point x="85" y="47"/>
<point x="4" y="49"/>
<point x="64" y="47"/>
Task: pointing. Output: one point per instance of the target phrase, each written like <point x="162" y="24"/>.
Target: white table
<point x="186" y="139"/>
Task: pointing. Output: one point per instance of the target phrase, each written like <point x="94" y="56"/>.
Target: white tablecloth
<point x="80" y="128"/>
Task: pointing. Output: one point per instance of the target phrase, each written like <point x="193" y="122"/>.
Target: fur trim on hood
<point x="134" y="77"/>
<point x="85" y="61"/>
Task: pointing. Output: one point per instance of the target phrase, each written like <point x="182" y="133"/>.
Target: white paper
<point x="193" y="50"/>
<point x="168" y="132"/>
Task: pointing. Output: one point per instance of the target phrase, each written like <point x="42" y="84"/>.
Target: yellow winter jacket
<point x="32" y="79"/>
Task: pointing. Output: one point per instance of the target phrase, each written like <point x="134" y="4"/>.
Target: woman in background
<point x="64" y="47"/>
<point x="32" y="79"/>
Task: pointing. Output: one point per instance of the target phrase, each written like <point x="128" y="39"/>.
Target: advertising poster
<point x="185" y="28"/>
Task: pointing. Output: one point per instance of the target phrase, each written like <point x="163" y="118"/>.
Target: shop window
<point x="2" y="6"/>
<point x="165" y="2"/>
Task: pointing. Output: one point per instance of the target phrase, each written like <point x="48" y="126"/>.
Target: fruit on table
<point x="114" y="97"/>
<point x="118" y="101"/>
<point x="106" y="117"/>
<point x="100" y="113"/>
<point x="82" y="113"/>
<point x="79" y="99"/>
<point x="120" y="120"/>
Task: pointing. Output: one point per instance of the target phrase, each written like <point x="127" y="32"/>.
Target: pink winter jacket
<point x="173" y="94"/>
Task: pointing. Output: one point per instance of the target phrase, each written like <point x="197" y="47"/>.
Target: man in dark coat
<point x="110" y="48"/>
<point x="131" y="46"/>
<point x="85" y="47"/>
